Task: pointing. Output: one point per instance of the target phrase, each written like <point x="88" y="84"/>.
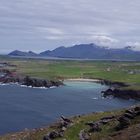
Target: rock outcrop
<point x="12" y="77"/>
<point x="33" y="82"/>
<point x="125" y="119"/>
<point x="97" y="126"/>
<point x="124" y="94"/>
<point x="62" y="127"/>
<point x="122" y="121"/>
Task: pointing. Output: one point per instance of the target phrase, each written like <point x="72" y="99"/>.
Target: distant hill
<point x="21" y="53"/>
<point x="85" y="51"/>
<point x="92" y="51"/>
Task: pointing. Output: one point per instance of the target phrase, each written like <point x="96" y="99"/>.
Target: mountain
<point x="85" y="51"/>
<point x="92" y="51"/>
<point x="45" y="53"/>
<point x="21" y="53"/>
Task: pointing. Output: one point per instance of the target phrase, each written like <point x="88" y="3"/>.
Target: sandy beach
<point x="82" y="80"/>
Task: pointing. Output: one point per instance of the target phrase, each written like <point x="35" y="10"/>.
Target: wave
<point x="95" y="98"/>
<point x="5" y="84"/>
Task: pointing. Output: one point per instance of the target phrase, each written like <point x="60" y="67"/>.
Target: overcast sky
<point x="46" y="24"/>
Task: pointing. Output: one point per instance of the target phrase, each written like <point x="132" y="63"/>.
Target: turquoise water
<point x="22" y="107"/>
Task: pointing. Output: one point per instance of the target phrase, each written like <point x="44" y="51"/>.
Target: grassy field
<point x="128" y="72"/>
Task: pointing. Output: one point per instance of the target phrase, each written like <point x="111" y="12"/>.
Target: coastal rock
<point x="66" y="119"/>
<point x="11" y="77"/>
<point x="40" y="83"/>
<point x="108" y="92"/>
<point x="65" y="123"/>
<point x="124" y="94"/>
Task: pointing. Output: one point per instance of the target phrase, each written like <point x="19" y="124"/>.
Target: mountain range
<point x="21" y="53"/>
<point x="86" y="51"/>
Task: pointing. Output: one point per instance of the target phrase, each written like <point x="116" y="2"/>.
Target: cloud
<point x="134" y="45"/>
<point x="104" y="40"/>
<point x="50" y="30"/>
<point x="54" y="38"/>
<point x="46" y="24"/>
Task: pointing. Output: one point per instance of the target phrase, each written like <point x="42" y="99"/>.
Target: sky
<point x="40" y="25"/>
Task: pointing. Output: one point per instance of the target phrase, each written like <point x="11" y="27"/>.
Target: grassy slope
<point x="79" y="124"/>
<point x="71" y="133"/>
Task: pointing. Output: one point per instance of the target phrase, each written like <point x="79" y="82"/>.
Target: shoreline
<point x="113" y="89"/>
<point x="56" y="126"/>
<point x="82" y="80"/>
<point x="113" y="84"/>
<point x="25" y="86"/>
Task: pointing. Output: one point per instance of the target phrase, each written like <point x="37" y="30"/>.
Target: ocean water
<point x="23" y="107"/>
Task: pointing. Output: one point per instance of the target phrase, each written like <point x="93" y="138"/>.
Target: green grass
<point x="119" y="71"/>
<point x="79" y="124"/>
